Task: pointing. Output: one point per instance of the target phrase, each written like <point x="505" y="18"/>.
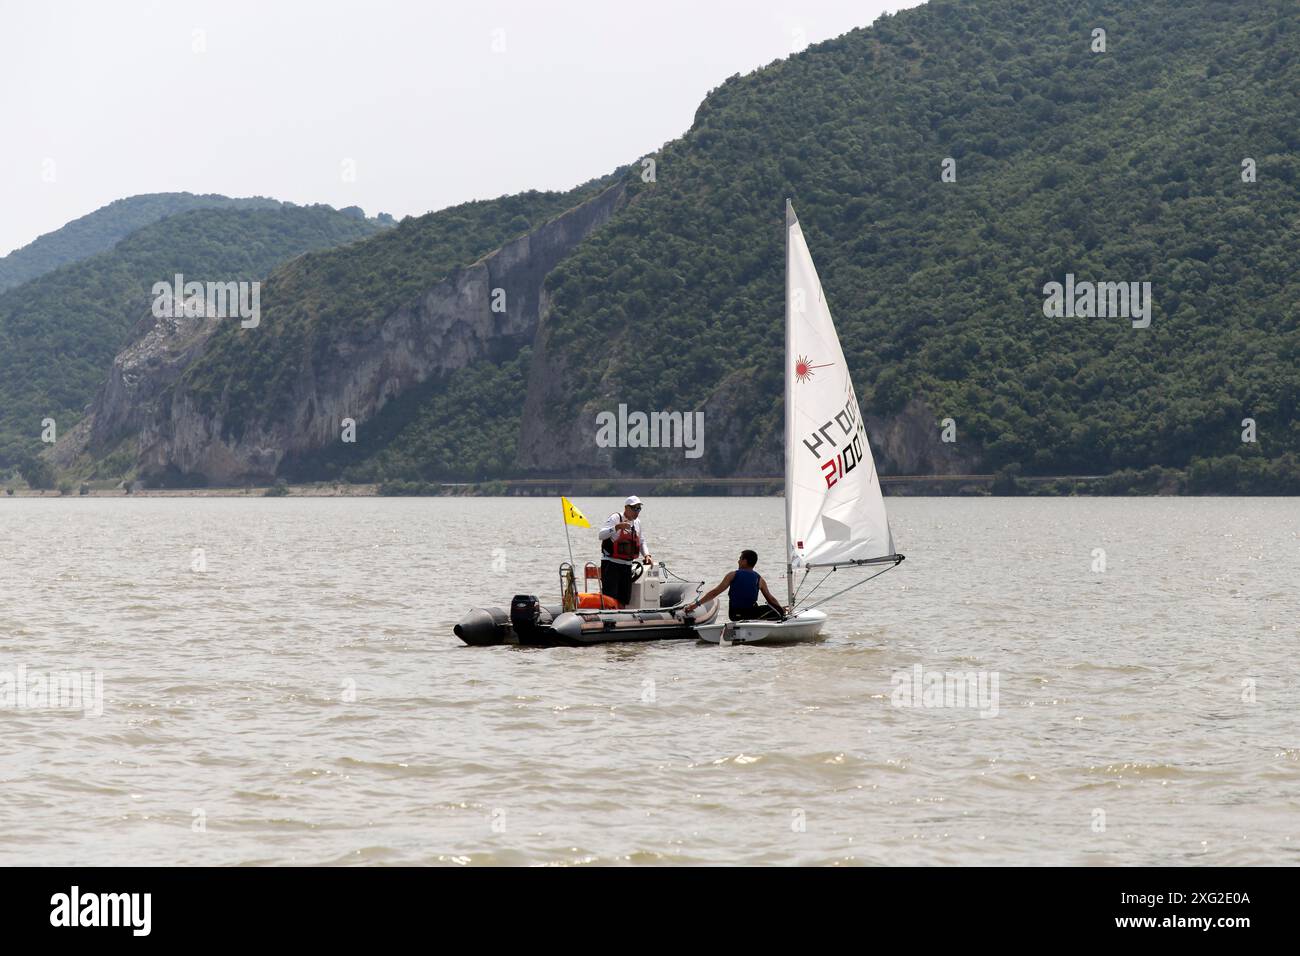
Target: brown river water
<point x="275" y="681"/>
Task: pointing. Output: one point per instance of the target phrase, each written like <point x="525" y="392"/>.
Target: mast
<point x="789" y="408"/>
<point x="834" y="511"/>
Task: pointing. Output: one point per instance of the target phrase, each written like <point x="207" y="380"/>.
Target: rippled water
<point x="1125" y="730"/>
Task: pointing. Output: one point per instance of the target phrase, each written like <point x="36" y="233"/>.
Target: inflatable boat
<point x="654" y="613"/>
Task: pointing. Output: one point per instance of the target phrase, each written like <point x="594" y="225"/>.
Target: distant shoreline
<point x="259" y="491"/>
<point x="961" y="486"/>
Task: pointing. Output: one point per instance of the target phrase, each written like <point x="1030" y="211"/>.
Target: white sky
<point x="112" y="99"/>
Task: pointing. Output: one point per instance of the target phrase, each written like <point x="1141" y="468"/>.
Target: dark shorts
<point x="759" y="612"/>
<point x="616" y="581"/>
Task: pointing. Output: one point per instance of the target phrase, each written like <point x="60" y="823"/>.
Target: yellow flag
<point x="572" y="515"/>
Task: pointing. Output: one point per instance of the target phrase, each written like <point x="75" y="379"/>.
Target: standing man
<point x="743" y="586"/>
<point x="621" y="543"/>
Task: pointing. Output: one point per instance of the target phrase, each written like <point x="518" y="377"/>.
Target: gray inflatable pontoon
<point x="653" y="614"/>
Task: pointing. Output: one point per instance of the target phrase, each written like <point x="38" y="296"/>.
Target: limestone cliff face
<point x="910" y="443"/>
<point x="446" y="328"/>
<point x="137" y="385"/>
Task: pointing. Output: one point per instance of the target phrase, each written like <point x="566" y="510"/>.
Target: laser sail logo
<point x="804" y="369"/>
<point x="102" y="909"/>
<point x="208" y="300"/>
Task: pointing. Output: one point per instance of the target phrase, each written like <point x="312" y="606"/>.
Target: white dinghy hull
<point x="804" y="626"/>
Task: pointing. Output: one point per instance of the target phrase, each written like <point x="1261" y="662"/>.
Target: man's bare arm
<point x="762" y="586"/>
<point x="726" y="583"/>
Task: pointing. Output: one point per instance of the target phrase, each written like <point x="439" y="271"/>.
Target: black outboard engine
<point x="525" y="615"/>
<point x="525" y="610"/>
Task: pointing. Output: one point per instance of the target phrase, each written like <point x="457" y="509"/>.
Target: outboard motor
<point x="525" y="615"/>
<point x="525" y="609"/>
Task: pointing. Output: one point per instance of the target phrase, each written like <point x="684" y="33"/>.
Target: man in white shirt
<point x="621" y="543"/>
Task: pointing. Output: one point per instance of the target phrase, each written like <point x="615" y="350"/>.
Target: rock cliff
<point x="447" y="327"/>
<point x="146" y="404"/>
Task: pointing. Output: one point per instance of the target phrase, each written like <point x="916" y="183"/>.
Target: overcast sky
<point x="398" y="107"/>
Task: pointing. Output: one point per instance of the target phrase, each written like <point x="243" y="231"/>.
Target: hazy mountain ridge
<point x="60" y="332"/>
<point x="98" y="231"/>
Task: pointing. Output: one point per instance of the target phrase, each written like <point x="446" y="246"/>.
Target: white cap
<point x="632" y="500"/>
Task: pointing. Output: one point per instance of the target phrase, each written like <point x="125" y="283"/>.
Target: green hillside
<point x="1116" y="166"/>
<point x="101" y="229"/>
<point x="1122" y="166"/>
<point x="60" y="332"/>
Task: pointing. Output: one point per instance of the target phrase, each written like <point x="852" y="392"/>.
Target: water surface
<point x="302" y="700"/>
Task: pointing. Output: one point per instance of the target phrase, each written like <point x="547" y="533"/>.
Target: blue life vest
<point x="744" y="588"/>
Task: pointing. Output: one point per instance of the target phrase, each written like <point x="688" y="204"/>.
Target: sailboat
<point x="834" y="511"/>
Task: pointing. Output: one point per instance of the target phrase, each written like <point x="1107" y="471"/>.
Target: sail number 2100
<point x="845" y="460"/>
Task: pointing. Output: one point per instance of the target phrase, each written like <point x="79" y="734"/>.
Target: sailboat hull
<point x="804" y="626"/>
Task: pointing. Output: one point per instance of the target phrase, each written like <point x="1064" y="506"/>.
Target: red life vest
<point x="624" y="545"/>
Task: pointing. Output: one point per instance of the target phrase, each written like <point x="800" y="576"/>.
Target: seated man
<point x="743" y="586"/>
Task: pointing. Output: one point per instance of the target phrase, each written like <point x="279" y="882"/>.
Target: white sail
<point x="834" y="510"/>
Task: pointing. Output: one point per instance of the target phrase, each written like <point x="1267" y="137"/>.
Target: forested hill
<point x="99" y="230"/>
<point x="60" y="332"/>
<point x="1124" y="165"/>
<point x="947" y="164"/>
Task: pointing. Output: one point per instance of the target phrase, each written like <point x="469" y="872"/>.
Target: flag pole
<point x="567" y="539"/>
<point x="569" y="587"/>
